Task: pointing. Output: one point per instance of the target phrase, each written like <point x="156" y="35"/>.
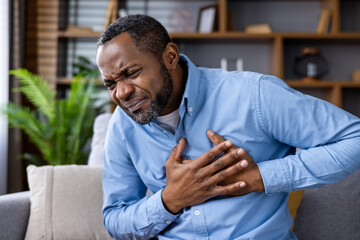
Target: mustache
<point x="132" y="102"/>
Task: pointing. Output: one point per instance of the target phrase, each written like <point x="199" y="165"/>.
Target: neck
<point x="179" y="78"/>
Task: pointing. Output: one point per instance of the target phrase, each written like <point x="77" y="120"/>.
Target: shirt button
<point x="197" y="212"/>
<point x="165" y="131"/>
<point x="190" y="109"/>
<point x="168" y="222"/>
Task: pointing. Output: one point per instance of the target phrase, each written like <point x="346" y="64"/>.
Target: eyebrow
<point x="121" y="72"/>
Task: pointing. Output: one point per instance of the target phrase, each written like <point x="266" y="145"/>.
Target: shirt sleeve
<point x="127" y="212"/>
<point x="328" y="136"/>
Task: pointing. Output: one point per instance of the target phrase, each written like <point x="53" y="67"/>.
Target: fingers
<point x="230" y="189"/>
<point x="210" y="155"/>
<point x="185" y="161"/>
<point x="214" y="137"/>
<point x="228" y="172"/>
<point x="177" y="150"/>
<point x="180" y="146"/>
<point x="226" y="160"/>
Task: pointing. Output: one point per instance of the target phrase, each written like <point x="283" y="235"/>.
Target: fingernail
<point x="228" y="143"/>
<point x="243" y="163"/>
<point x="242" y="184"/>
<point x="239" y="152"/>
<point x="211" y="133"/>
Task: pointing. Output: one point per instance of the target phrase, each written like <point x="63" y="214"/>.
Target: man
<point x="162" y="137"/>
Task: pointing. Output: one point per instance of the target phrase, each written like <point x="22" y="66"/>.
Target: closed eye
<point x="109" y="84"/>
<point x="133" y="73"/>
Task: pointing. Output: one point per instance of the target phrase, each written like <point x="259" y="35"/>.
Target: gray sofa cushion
<point x="15" y="211"/>
<point x="330" y="212"/>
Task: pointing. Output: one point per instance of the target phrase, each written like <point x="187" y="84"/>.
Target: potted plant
<point x="59" y="128"/>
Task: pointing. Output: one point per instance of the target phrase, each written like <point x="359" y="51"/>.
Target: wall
<point x="4" y="90"/>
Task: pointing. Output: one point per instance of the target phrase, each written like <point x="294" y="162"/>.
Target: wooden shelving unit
<point x="322" y="84"/>
<point x="226" y="35"/>
<point x="332" y="91"/>
<point x="277" y="49"/>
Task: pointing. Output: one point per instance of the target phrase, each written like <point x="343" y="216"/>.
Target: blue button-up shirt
<point x="257" y="112"/>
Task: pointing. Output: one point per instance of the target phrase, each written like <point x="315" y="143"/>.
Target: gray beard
<point x="151" y="113"/>
<point x="160" y="102"/>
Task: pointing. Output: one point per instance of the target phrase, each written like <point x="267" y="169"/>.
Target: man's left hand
<point x="250" y="175"/>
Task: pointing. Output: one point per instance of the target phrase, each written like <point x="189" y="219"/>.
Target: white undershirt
<point x="169" y="121"/>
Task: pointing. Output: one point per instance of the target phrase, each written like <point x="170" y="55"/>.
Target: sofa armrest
<point x="14" y="212"/>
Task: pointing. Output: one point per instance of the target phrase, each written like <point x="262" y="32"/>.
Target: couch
<point x="331" y="212"/>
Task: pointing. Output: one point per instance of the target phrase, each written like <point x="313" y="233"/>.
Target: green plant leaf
<point x="22" y="118"/>
<point x="33" y="159"/>
<point x="60" y="149"/>
<point x="59" y="128"/>
<point x="81" y="97"/>
<point x="37" y="91"/>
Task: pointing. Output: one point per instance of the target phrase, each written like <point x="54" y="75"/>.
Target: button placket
<point x="199" y="223"/>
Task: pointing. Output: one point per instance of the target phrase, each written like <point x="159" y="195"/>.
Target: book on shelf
<point x="324" y="21"/>
<point x="258" y="28"/>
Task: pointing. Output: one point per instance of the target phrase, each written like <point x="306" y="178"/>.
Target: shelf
<point x="320" y="36"/>
<point x="268" y="53"/>
<point x="78" y="34"/>
<point x="228" y="35"/>
<point x="184" y="35"/>
<point x="331" y="91"/>
<point x="267" y="35"/>
<point x="322" y="84"/>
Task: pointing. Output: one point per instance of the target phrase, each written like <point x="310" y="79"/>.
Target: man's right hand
<point x="191" y="182"/>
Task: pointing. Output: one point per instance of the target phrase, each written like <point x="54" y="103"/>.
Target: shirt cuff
<point x="158" y="213"/>
<point x="276" y="176"/>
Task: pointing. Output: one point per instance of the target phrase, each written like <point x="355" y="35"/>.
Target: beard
<point x="158" y="104"/>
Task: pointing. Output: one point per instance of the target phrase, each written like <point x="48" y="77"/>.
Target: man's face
<point x="138" y="82"/>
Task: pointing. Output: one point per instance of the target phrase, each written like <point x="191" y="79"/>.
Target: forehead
<point x="120" y="51"/>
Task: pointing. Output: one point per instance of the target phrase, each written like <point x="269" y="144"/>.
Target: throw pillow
<point x="98" y="140"/>
<point x="66" y="203"/>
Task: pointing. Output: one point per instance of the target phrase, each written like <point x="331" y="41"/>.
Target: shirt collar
<point x="191" y="92"/>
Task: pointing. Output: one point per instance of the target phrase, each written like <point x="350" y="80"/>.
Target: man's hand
<point x="251" y="175"/>
<point x="191" y="182"/>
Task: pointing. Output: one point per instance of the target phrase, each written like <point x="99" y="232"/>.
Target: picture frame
<point x="207" y="20"/>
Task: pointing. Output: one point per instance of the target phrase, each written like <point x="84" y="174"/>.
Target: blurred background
<point x="314" y="45"/>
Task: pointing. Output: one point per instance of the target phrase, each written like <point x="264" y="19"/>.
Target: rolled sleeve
<point x="276" y="176"/>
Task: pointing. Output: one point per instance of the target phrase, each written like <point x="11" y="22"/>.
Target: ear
<point x="171" y="56"/>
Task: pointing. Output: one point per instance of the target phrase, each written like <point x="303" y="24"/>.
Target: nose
<point x="123" y="90"/>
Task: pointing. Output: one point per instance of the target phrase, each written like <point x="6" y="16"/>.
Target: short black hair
<point x="148" y="34"/>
